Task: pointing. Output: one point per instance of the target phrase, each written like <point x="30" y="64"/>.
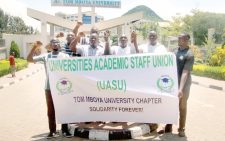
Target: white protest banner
<point x="133" y="88"/>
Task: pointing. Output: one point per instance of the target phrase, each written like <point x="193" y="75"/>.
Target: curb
<point x="111" y="134"/>
<point x="209" y="86"/>
<point x="20" y="78"/>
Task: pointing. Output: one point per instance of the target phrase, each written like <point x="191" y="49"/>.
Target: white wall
<point x="22" y="41"/>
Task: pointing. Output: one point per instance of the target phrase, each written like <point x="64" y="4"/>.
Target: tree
<point x="3" y="21"/>
<point x="17" y="26"/>
<point x="197" y="25"/>
<point x="145" y="27"/>
<point x="178" y="25"/>
<point x="13" y="25"/>
<point x="202" y="21"/>
<point x="14" y="48"/>
<point x="223" y="38"/>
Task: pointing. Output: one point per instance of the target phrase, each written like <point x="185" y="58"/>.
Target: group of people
<point x="75" y="48"/>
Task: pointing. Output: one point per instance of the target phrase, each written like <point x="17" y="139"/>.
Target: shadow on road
<point x="163" y="137"/>
<point x="172" y="137"/>
<point x="42" y="137"/>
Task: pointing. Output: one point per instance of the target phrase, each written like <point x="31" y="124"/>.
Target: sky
<point x="166" y="9"/>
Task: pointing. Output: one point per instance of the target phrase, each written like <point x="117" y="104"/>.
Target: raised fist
<point x="133" y="36"/>
<point x="106" y="35"/>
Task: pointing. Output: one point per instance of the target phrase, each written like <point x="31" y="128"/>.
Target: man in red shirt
<point x="12" y="64"/>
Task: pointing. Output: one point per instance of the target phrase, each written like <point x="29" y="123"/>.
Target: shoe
<point x="181" y="133"/>
<point x="88" y="122"/>
<point x="161" y="131"/>
<point x="100" y="122"/>
<point x="115" y="122"/>
<point x="67" y="134"/>
<point x="168" y="128"/>
<point x="153" y="127"/>
<point x="52" y="135"/>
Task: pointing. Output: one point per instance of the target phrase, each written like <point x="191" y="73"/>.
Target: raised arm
<point x="76" y="28"/>
<point x="134" y="41"/>
<point x="30" y="55"/>
<point x="107" y="50"/>
<point x="73" y="43"/>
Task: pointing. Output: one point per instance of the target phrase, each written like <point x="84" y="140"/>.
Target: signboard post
<point x="87" y="3"/>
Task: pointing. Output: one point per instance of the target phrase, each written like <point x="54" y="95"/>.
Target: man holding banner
<point x="152" y="47"/>
<point x="123" y="48"/>
<point x="55" y="45"/>
<point x="185" y="61"/>
<point x="92" y="49"/>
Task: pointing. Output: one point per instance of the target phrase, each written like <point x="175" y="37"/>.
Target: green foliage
<point x="4" y="69"/>
<point x="218" y="57"/>
<point x="178" y="25"/>
<point x="223" y="37"/>
<point x="209" y="71"/>
<point x="115" y="40"/>
<point x="13" y="25"/>
<point x="144" y="28"/>
<point x="197" y="53"/>
<point x="210" y="47"/>
<point x="202" y="21"/>
<point x="14" y="48"/>
<point x="197" y="25"/>
<point x="149" y="14"/>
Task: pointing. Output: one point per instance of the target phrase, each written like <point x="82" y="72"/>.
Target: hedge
<point x="14" y="48"/>
<point x="4" y="66"/>
<point x="209" y="71"/>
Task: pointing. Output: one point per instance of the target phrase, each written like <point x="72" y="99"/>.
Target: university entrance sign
<point x="88" y="3"/>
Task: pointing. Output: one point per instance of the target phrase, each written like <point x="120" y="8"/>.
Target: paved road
<point x="23" y="113"/>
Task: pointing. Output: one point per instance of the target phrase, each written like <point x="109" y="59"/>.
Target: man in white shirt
<point x="92" y="49"/>
<point x="55" y="53"/>
<point x="152" y="46"/>
<point x="123" y="48"/>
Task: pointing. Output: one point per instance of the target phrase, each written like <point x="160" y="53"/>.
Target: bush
<point x="197" y="53"/>
<point x="4" y="69"/>
<point x="209" y="71"/>
<point x="14" y="48"/>
<point x="218" y="57"/>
